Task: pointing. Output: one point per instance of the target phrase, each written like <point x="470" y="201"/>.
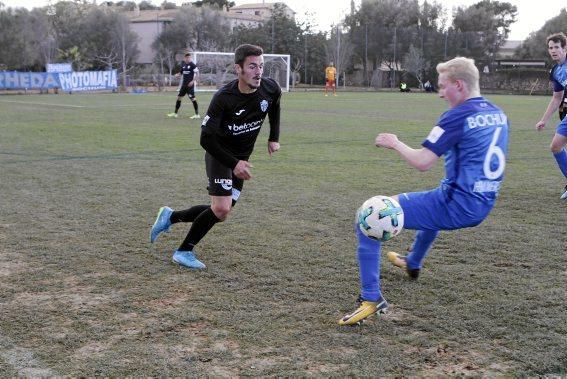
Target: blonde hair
<point x="461" y="68"/>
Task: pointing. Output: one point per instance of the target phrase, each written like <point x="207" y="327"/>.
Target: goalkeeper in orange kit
<point x="330" y="75"/>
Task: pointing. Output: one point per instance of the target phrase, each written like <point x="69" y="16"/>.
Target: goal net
<point x="217" y="69"/>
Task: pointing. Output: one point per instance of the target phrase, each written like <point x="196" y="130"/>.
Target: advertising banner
<point x="58" y="67"/>
<point x="66" y="81"/>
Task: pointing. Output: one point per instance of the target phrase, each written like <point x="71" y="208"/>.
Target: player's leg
<point x="427" y="213"/>
<point x="557" y="147"/>
<point x="193" y="99"/>
<point x="224" y="193"/>
<point x="188" y="215"/>
<point x="180" y="94"/>
<point x="167" y="217"/>
<point x="371" y="300"/>
<point x="205" y="221"/>
<point x="177" y="106"/>
<point x="421" y="245"/>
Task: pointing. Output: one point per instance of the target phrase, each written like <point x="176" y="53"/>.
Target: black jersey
<point x="233" y="120"/>
<point x="188" y="71"/>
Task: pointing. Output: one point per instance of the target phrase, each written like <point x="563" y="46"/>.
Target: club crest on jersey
<point x="263" y="105"/>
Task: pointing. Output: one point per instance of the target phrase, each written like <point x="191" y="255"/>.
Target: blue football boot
<point x="162" y="223"/>
<point x="188" y="259"/>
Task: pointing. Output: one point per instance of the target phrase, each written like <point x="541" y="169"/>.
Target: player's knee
<point x="221" y="211"/>
<point x="556" y="147"/>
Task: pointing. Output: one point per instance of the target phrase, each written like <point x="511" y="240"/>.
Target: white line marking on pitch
<point x="46" y="104"/>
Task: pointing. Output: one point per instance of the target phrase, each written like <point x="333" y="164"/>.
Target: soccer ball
<point x="380" y="218"/>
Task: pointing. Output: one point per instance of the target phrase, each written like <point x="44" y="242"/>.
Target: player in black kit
<point x="189" y="72"/>
<point x="228" y="133"/>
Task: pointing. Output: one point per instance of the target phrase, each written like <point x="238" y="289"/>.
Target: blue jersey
<point x="473" y="138"/>
<point x="558" y="77"/>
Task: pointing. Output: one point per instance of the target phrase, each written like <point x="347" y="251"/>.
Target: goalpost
<point x="217" y="69"/>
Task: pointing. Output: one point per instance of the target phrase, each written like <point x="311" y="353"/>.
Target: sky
<point x="532" y="14"/>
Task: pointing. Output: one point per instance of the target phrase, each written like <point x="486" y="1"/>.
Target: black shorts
<point x="221" y="181"/>
<point x="185" y="90"/>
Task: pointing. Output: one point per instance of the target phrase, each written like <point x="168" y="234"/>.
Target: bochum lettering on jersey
<point x="68" y="81"/>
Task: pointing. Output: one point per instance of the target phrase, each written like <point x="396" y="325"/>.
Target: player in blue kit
<point x="472" y="137"/>
<point x="556" y="46"/>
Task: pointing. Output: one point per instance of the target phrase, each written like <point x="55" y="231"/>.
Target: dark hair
<point x="244" y="51"/>
<point x="557" y="38"/>
<point x="187" y="54"/>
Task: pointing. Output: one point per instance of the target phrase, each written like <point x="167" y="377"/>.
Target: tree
<point x="339" y="50"/>
<point x="202" y="29"/>
<point x="483" y="28"/>
<point x="44" y="37"/>
<point x="415" y="63"/>
<point x="220" y="4"/>
<point x="534" y="46"/>
<point x="24" y="39"/>
<point x="146" y="5"/>
<point x="382" y="30"/>
<point x="168" y="5"/>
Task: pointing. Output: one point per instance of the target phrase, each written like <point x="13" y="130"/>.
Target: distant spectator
<point x="429" y="87"/>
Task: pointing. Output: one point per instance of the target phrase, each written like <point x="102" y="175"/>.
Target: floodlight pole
<point x="338" y="56"/>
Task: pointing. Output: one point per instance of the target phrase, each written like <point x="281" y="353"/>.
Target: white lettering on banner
<point x="487" y="119"/>
<point x="14" y="80"/>
<point x="25" y="81"/>
<point x="88" y="80"/>
<point x="36" y="81"/>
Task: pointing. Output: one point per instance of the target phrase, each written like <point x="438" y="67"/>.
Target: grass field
<point x="83" y="294"/>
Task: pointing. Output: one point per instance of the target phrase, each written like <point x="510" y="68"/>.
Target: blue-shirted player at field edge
<point x="557" y="48"/>
<point x="473" y="138"/>
<point x="189" y="73"/>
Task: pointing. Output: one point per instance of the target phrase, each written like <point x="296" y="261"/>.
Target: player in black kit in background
<point x="228" y="133"/>
<point x="189" y="72"/>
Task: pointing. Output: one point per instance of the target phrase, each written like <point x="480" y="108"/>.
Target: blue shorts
<point x="432" y="210"/>
<point x="562" y="127"/>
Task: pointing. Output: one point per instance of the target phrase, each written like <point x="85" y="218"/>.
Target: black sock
<point x="196" y="106"/>
<point x="201" y="226"/>
<point x="187" y="215"/>
<point x="177" y="105"/>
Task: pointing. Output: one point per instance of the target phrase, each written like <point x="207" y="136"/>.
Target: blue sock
<point x="368" y="254"/>
<point x="561" y="159"/>
<point x="423" y="241"/>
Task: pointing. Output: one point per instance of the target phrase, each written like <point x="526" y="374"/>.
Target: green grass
<point x="82" y="292"/>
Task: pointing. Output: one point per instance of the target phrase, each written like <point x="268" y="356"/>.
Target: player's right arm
<point x="553" y="105"/>
<point x="422" y="159"/>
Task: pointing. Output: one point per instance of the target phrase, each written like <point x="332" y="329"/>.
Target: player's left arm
<point x="195" y="77"/>
<point x="274" y="119"/>
<point x="422" y="159"/>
